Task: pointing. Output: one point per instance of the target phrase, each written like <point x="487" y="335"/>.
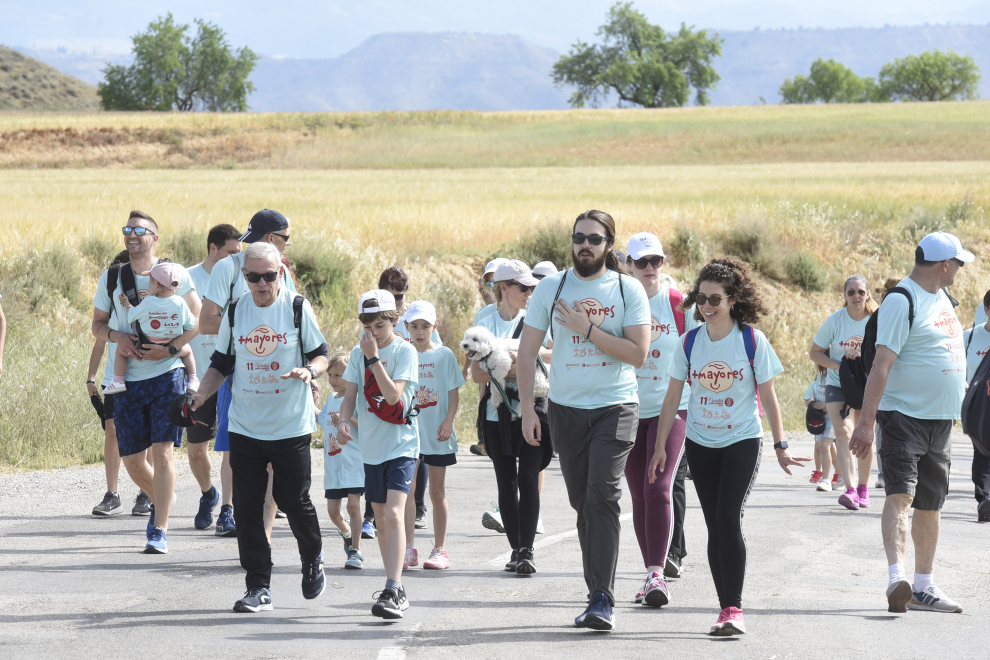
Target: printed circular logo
<point x="729" y="402"/>
<point x="597" y="313"/>
<point x="716" y="376"/>
<point x="656" y="354"/>
<point x="275" y="366"/>
<point x="262" y="341"/>
<point x="854" y="343"/>
<point x="656" y="329"/>
<point x="948" y="323"/>
<point x="155" y="323"/>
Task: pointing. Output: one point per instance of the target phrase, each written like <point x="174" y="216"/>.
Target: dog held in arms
<point x="492" y="353"/>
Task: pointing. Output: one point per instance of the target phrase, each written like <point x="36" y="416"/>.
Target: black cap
<point x="264" y="222"/>
<point x="181" y="413"/>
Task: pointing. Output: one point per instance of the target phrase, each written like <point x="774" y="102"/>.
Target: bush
<point x="323" y="274"/>
<point x="805" y="271"/>
<point x="686" y="247"/>
<point x="187" y="246"/>
<point x="549" y="242"/>
<point x="759" y="247"/>
<point x="100" y="249"/>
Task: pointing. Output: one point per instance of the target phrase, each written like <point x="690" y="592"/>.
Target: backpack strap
<point x="749" y="341"/>
<point x="689" y="340"/>
<point x="231" y="308"/>
<point x="505" y="397"/>
<point x="676" y="298"/>
<point x="969" y="342"/>
<point x="907" y="294"/>
<point x="556" y="297"/>
<point x="128" y="284"/>
<point x="297" y="315"/>
<point x="113" y="274"/>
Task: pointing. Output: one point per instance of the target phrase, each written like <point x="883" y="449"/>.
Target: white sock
<point x="922" y="581"/>
<point x="895" y="573"/>
<point x="347" y="534"/>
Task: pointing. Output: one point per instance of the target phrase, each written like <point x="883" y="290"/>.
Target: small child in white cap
<point x="159" y="318"/>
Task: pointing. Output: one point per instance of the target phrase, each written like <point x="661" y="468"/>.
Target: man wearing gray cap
<point x="915" y="391"/>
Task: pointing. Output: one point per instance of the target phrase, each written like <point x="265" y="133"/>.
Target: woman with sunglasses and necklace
<point x="653" y="512"/>
<point x="843" y="332"/>
<point x="731" y="367"/>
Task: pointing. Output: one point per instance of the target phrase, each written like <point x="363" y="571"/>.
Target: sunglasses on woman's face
<point x="137" y="231"/>
<point x="254" y="278"/>
<point x="656" y="261"/>
<point x="522" y="287"/>
<point x="594" y="239"/>
<point x="854" y="292"/>
<point x="490" y="285"/>
<point x="714" y="301"/>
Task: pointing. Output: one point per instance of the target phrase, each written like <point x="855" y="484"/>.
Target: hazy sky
<point x="296" y="28"/>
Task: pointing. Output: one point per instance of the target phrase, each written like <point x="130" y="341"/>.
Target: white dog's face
<point x="478" y="343"/>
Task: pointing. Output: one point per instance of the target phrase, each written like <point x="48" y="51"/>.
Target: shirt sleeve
<point x="311" y="335"/>
<point x="134" y="314"/>
<point x="406" y="364"/>
<point x="826" y="334"/>
<point x="809" y="395"/>
<point x="223" y="337"/>
<point x="356" y="363"/>
<point x="892" y="322"/>
<point x="455" y="379"/>
<point x="678" y="363"/>
<point x="766" y="363"/>
<point x="637" y="305"/>
<point x="101" y="300"/>
<point x="221" y="278"/>
<point x="538" y="310"/>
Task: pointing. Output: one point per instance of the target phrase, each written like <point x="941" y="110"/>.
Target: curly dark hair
<point x="734" y="276"/>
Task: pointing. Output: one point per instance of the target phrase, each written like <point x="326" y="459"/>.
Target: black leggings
<point x="518" y="487"/>
<point x="723" y="479"/>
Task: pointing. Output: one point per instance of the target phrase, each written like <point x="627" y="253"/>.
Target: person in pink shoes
<point x="731" y="367"/>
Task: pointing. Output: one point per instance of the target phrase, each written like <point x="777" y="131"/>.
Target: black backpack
<point x="869" y="348"/>
<point x="976" y="408"/>
<point x="852" y="381"/>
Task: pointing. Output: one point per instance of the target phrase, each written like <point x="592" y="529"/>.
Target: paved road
<point x="76" y="586"/>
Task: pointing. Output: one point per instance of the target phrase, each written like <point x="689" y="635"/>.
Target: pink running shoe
<point x="734" y="624"/>
<point x="850" y="499"/>
<point x="641" y="593"/>
<point x="438" y="560"/>
<point x="723" y="616"/>
<point x="816" y="476"/>
<point x="657" y="591"/>
<point x="864" y="496"/>
<point x="412" y="558"/>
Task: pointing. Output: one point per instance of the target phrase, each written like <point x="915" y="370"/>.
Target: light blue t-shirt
<point x="723" y="408"/>
<point x="382" y="441"/>
<point x="981" y="314"/>
<point x="137" y="370"/>
<point x="581" y="374"/>
<point x="343" y="469"/>
<point x="162" y="319"/>
<point x="816" y="393"/>
<point x="202" y="345"/>
<point x="928" y="379"/>
<point x="652" y="378"/>
<point x="439" y="373"/>
<point x="111" y="354"/>
<point x="483" y="312"/>
<point x="227" y="273"/>
<point x="839" y="331"/>
<point x="402" y="331"/>
<point x="975" y="348"/>
<point x="266" y="344"/>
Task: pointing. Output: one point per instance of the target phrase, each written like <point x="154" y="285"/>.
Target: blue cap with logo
<point x="265" y="221"/>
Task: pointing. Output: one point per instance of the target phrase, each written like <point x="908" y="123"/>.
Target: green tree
<point x="931" y="76"/>
<point x="641" y="63"/>
<point x="828" y="82"/>
<point x="172" y="71"/>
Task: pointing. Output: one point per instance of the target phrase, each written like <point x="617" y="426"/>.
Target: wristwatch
<point x="172" y="350"/>
<point x="780" y="445"/>
<point x="370" y="361"/>
<point x="312" y="370"/>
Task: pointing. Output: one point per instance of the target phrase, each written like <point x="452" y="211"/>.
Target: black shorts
<point x="439" y="460"/>
<point x="197" y="433"/>
<point x="833" y="394"/>
<point x="342" y="493"/>
<point x="916" y="455"/>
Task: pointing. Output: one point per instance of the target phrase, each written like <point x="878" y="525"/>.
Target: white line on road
<point x="398" y="650"/>
<point x="550" y="540"/>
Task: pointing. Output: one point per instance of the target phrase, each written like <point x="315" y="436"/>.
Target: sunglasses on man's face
<point x="137" y="231"/>
<point x="656" y="261"/>
<point x="594" y="239"/>
<point x="254" y="278"/>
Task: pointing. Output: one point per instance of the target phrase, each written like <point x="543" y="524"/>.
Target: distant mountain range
<point x="461" y="71"/>
<point x="27" y="84"/>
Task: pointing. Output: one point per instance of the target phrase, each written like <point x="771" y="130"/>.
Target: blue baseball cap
<point x="265" y="221"/>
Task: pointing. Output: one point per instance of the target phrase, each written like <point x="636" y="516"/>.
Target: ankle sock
<point x="394" y="585"/>
<point x="922" y="580"/>
<point x="118" y="379"/>
<point x="347" y="534"/>
<point x="895" y="573"/>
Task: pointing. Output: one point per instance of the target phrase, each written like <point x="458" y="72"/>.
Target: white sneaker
<point x="115" y="387"/>
<point x="880" y="482"/>
<point x="192" y="383"/>
<point x="933" y="600"/>
<point x="539" y="525"/>
<point x="825" y="485"/>
<point x="493" y="520"/>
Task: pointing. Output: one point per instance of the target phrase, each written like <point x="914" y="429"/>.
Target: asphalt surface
<point x="78" y="586"/>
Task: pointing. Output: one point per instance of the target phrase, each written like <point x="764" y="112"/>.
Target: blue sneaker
<point x="204" y="518"/>
<point x="313" y="581"/>
<point x="157" y="543"/>
<point x="599" y="615"/>
<point x="354" y="559"/>
<point x="151" y="522"/>
<point x="367" y="530"/>
<point x="225" y="521"/>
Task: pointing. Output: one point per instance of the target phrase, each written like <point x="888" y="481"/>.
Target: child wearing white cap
<point x="159" y="318"/>
<point x="544" y="269"/>
<point x="437" y="398"/>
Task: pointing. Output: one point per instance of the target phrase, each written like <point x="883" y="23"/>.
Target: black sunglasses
<point x="254" y="278"/>
<point x="594" y="239"/>
<point x="522" y="287"/>
<point x="656" y="261"/>
<point x="137" y="231"/>
<point x="399" y="297"/>
<point x="714" y="301"/>
<point x="853" y="292"/>
<point x="285" y="236"/>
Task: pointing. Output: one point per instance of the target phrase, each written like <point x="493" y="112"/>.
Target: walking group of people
<point x="644" y="381"/>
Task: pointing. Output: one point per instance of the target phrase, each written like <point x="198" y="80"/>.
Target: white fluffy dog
<point x="492" y="353"/>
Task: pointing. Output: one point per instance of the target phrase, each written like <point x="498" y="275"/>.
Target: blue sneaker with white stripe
<point x="204" y="517"/>
<point x="157" y="543"/>
<point x="931" y="599"/>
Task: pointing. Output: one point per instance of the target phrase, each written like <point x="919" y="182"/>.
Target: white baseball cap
<point x="493" y="264"/>
<point x="420" y="310"/>
<point x="941" y="245"/>
<point x="513" y="269"/>
<point x="644" y="244"/>
<point x="386" y="301"/>
<point x="544" y="269"/>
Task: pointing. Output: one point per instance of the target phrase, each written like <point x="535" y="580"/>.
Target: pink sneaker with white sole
<point x="734" y="623"/>
<point x="850" y="499"/>
<point x="438" y="560"/>
<point x="412" y="558"/>
<point x="864" y="496"/>
<point x="723" y="616"/>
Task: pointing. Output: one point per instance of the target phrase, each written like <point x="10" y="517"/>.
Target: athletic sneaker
<point x="931" y="599"/>
<point x="438" y="560"/>
<point x="151" y="522"/>
<point x="816" y="476"/>
<point x="225" y="522"/>
<point x="510" y="566"/>
<point x="115" y="387"/>
<point x="255" y="599"/>
<point x="983" y="511"/>
<point x="110" y="506"/>
<point x="835" y="479"/>
<point x="390" y="603"/>
<point x="525" y="564"/>
<point x="420" y="517"/>
<point x="899" y="593"/>
<point x="157" y="543"/>
<point x="280" y="514"/>
<point x="672" y="568"/>
<point x="313" y="581"/>
<point x="368" y="530"/>
<point x="824" y="486"/>
<point x="850" y="499"/>
<point x="657" y="592"/>
<point x="493" y="520"/>
<point x="412" y="558"/>
<point x="479" y="450"/>
<point x="733" y="623"/>
<point x="599" y="615"/>
<point x="354" y="559"/>
<point x="723" y="616"/>
<point x="208" y="502"/>
<point x="142" y="504"/>
<point x="864" y="496"/>
<point x="539" y="525"/>
<point x="642" y="592"/>
<point x="880" y="482"/>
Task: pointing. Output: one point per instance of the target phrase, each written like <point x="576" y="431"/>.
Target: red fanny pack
<point x="379" y="407"/>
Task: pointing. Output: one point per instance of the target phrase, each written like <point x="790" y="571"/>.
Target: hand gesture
<point x="784" y="459"/>
<point x="574" y="318"/>
<point x="344" y="433"/>
<point x="445" y="431"/>
<point x="369" y="345"/>
<point x="299" y="373"/>
<point x="124" y="302"/>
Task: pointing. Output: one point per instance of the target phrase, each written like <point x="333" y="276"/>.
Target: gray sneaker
<point x="931" y="599"/>
<point x="110" y="506"/>
<point x="142" y="505"/>
<point x="257" y="599"/>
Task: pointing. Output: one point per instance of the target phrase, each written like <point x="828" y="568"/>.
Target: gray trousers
<point x="593" y="446"/>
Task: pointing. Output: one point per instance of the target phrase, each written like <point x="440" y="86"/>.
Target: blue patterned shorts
<point x="141" y="413"/>
<point x="224" y="396"/>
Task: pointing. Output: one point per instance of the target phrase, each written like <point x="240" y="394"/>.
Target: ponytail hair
<point x="612" y="262"/>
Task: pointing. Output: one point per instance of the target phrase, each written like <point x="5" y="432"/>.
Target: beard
<point x="586" y="268"/>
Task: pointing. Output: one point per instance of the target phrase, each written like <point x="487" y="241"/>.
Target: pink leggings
<point x="653" y="516"/>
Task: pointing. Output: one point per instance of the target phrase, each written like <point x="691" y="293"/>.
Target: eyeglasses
<point x="656" y="261"/>
<point x="714" y="301"/>
<point x="137" y="231"/>
<point x="594" y="239"/>
<point x="522" y="287"/>
<point x="254" y="278"/>
<point x="853" y="292"/>
<point x="285" y="236"/>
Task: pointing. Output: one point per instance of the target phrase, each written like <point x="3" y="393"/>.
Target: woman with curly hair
<point x="731" y="367"/>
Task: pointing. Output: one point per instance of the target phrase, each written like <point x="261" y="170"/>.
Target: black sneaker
<point x="420" y="516"/>
<point x="110" y="506"/>
<point x="478" y="450"/>
<point x="313" y="581"/>
<point x="982" y="511"/>
<point x="599" y="615"/>
<point x="525" y="564"/>
<point x="255" y="600"/>
<point x="142" y="505"/>
<point x="672" y="569"/>
<point x="390" y="604"/>
<point x="511" y="566"/>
